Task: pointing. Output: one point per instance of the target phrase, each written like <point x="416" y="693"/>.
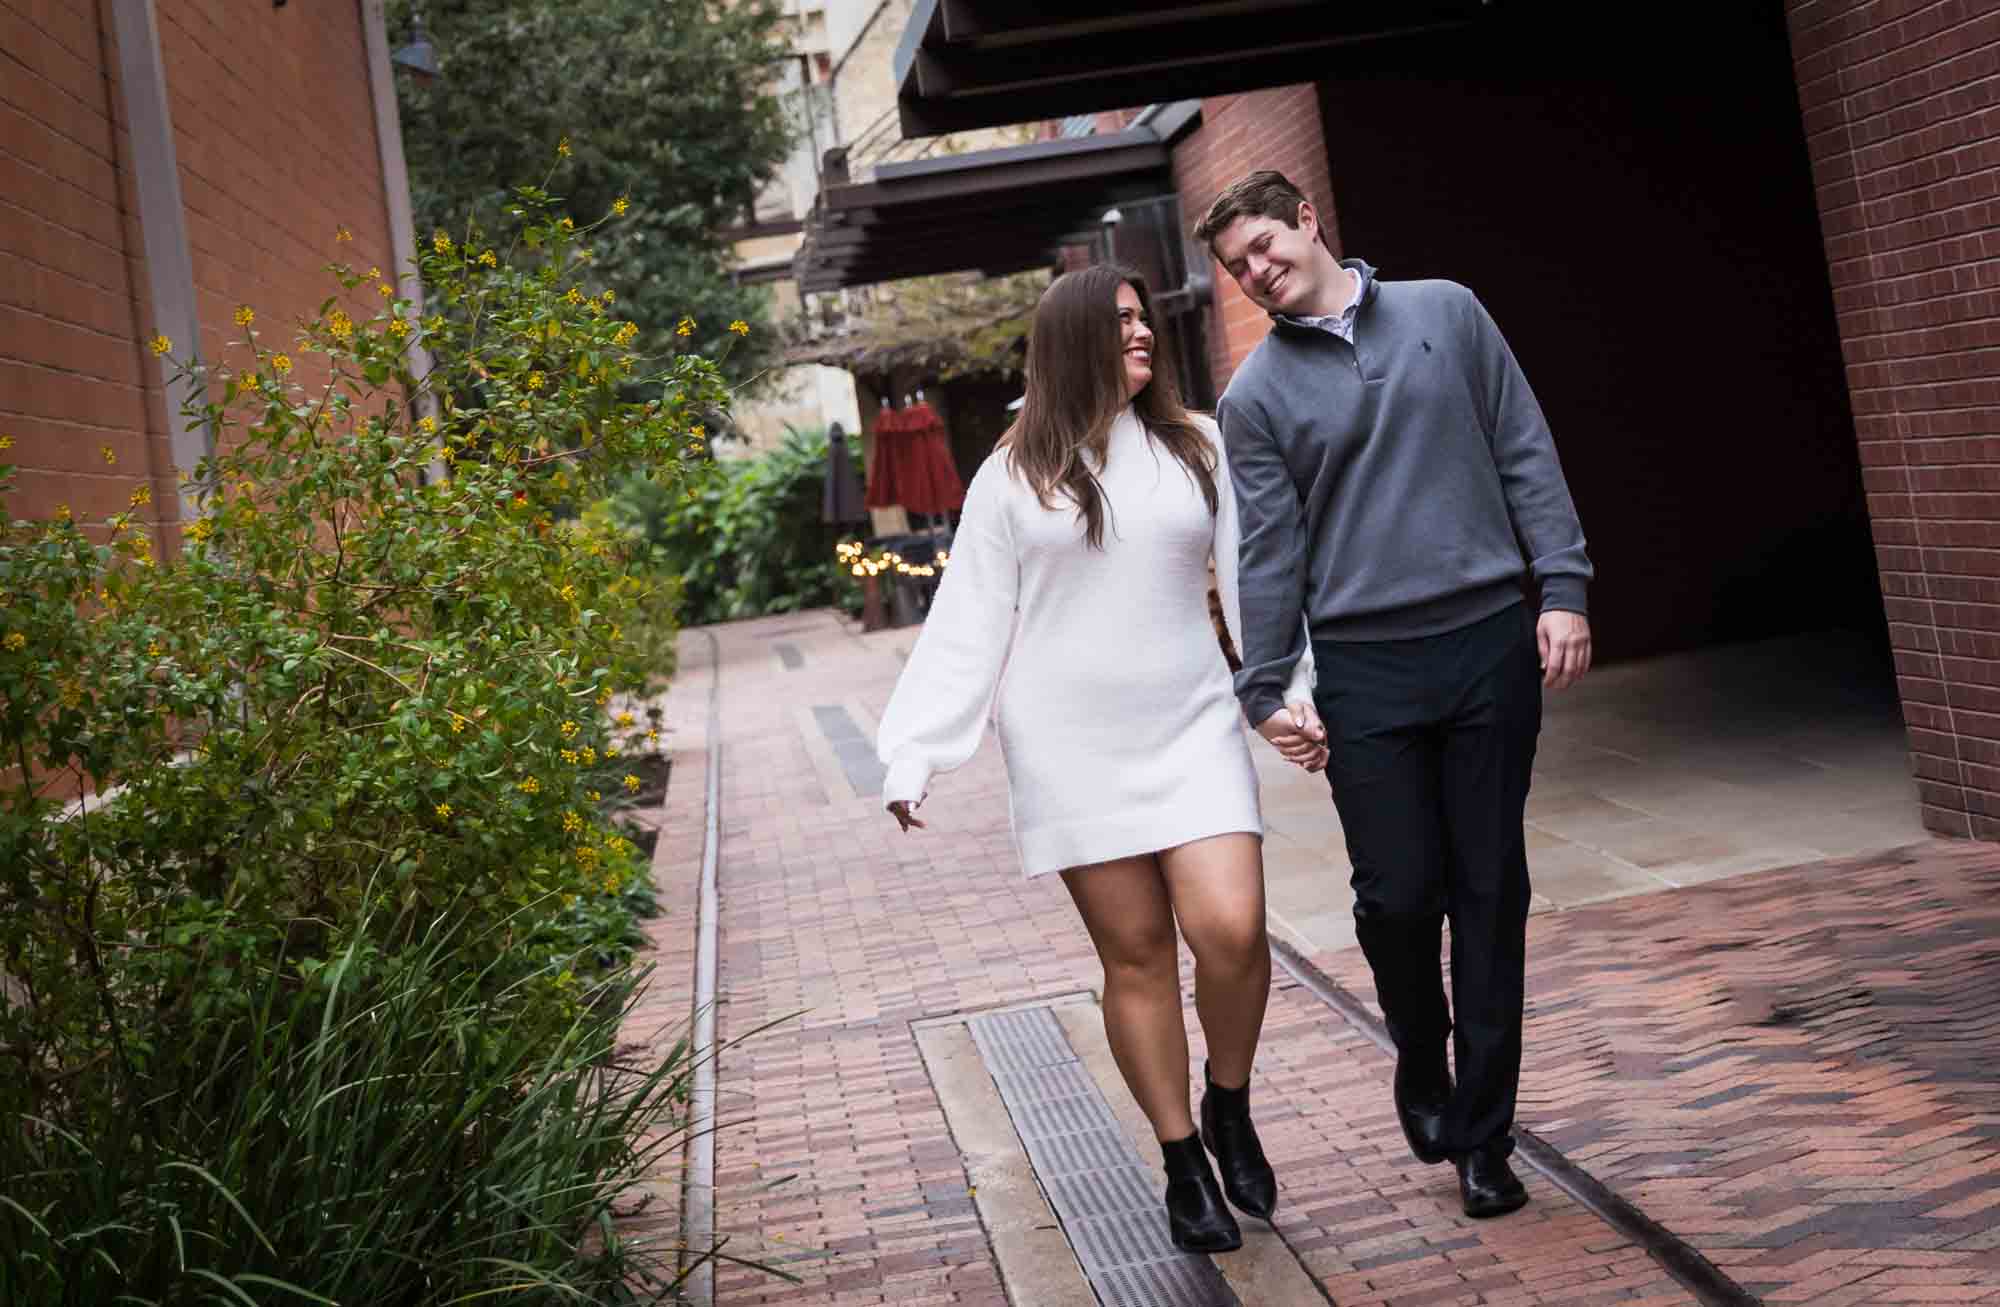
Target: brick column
<point x="1902" y="112"/>
<point x="1239" y="133"/>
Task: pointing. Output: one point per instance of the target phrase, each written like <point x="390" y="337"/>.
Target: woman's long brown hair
<point x="1076" y="389"/>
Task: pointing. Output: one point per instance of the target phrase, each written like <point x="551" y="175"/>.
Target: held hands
<point x="1563" y="639"/>
<point x="905" y="818"/>
<point x="1295" y="731"/>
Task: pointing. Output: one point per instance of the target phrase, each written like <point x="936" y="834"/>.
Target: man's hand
<point x="1295" y="731"/>
<point x="1564" y="641"/>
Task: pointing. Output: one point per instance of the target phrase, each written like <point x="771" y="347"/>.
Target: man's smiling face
<point x="1275" y="264"/>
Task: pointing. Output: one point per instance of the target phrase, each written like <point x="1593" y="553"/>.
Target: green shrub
<point x="749" y="541"/>
<point x="391" y="1140"/>
<point x="364" y="711"/>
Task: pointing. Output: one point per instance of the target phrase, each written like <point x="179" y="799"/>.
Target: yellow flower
<point x="619" y="205"/>
<point x="686" y="327"/>
<point x="573" y="296"/>
<point x="153" y="650"/>
<point x="245" y="315"/>
<point x="443" y="454"/>
<point x="6" y="442"/>
<point x="567" y="224"/>
<point x="740" y="327"/>
<point x="631" y="782"/>
<point x="161" y="344"/>
<point x="611" y="750"/>
<point x="342" y="234"/>
<point x="698" y="431"/>
<point x="568" y="593"/>
<point x="143" y="495"/>
<point x="62" y="512"/>
<point x="374" y="274"/>
<point x="72" y="693"/>
<point x="440" y="242"/>
<point x="593" y="796"/>
<point x="201" y="530"/>
<point x="398" y="328"/>
<point x="569" y="756"/>
<point x="626" y="719"/>
<point x="339" y="326"/>
<point x="385" y="290"/>
<point x="427" y="424"/>
<point x="531" y="786"/>
<point x="589" y="757"/>
<point x="536" y="380"/>
<point x="572" y="822"/>
<point x="16" y="641"/>
<point x="603" y="696"/>
<point x="609" y="296"/>
<point x="457" y="724"/>
<point x="488" y="259"/>
<point x="625" y="334"/>
<point x="281" y="364"/>
<point x="443" y="810"/>
<point x="562" y="147"/>
<point x="109" y="455"/>
<point x="568" y="729"/>
<point x="652" y="737"/>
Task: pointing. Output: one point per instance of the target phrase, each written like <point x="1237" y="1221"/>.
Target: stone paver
<point x="1795" y="1070"/>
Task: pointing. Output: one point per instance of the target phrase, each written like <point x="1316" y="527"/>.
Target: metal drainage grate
<point x="1102" y="1191"/>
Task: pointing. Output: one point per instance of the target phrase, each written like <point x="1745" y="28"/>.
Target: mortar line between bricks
<point x="1704" y="1279"/>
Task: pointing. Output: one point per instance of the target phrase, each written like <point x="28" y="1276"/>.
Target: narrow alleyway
<point x="1792" y="1072"/>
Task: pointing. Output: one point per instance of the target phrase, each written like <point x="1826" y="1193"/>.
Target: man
<point x="1391" y="467"/>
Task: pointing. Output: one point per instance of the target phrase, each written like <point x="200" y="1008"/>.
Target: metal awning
<point x="984" y="63"/>
<point x="996" y="211"/>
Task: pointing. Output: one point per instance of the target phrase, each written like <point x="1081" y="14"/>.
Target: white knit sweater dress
<point x="1114" y="707"/>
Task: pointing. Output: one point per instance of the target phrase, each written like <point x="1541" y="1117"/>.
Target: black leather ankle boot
<point x="1239" y="1157"/>
<point x="1197" y="1219"/>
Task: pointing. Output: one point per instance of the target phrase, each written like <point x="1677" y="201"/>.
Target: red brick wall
<point x="1238" y="134"/>
<point x="1902" y="109"/>
<point x="275" y="138"/>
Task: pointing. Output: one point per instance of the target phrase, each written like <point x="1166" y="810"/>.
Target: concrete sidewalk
<point x="859" y="1165"/>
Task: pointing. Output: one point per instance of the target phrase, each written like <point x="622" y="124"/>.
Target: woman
<point x="1081" y="568"/>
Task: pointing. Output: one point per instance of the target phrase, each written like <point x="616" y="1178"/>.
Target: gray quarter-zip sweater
<point x="1392" y="487"/>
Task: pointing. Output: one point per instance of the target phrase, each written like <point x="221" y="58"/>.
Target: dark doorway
<point x="1638" y="215"/>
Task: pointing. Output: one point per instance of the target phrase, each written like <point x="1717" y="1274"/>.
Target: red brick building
<point x="162" y="164"/>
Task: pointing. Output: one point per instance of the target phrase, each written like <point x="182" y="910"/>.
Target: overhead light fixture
<point x="419" y="56"/>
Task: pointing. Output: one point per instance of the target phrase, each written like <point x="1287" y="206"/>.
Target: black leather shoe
<point x="1423" y="1094"/>
<point x="1239" y="1157"/>
<point x="1487" y="1185"/>
<point x="1197" y="1219"/>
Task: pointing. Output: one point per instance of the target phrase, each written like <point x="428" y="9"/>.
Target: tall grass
<point x="398" y="1140"/>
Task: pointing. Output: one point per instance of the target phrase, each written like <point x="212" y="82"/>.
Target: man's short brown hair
<point x="1265" y="193"/>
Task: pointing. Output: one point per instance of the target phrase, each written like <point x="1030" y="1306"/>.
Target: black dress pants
<point x="1431" y="742"/>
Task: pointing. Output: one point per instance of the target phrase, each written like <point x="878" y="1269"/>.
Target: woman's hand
<point x="900" y="809"/>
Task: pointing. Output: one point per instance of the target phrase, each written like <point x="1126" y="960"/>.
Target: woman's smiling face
<point x="1135" y="340"/>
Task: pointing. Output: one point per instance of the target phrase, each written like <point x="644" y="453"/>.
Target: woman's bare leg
<point x="1125" y="907"/>
<point x="1217" y="889"/>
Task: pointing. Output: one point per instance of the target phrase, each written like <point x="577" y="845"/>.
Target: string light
<point x="853" y="555"/>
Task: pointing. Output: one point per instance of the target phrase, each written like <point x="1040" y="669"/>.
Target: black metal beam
<point x="1033" y="22"/>
<point x="984" y="63"/>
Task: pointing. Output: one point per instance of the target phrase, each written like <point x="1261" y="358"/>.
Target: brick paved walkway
<point x="842" y="931"/>
<point x="1798" y="1072"/>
